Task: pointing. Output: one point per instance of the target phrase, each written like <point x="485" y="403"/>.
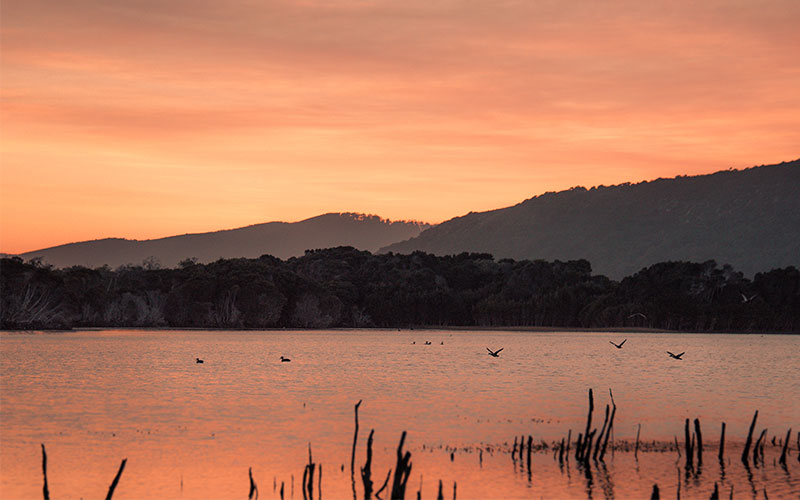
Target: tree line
<point x="345" y="287"/>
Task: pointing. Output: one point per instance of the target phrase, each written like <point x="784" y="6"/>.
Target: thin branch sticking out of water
<point x="253" y="495"/>
<point x="116" y="479"/>
<point x="45" y="489"/>
<point x="401" y="471"/>
<point x="782" y="460"/>
<point x="353" y="453"/>
<point x="749" y="441"/>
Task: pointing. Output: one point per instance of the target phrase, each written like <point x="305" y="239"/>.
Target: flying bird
<point x="618" y="346"/>
<point x="495" y="354"/>
<point x="285" y="360"/>
<point x="198" y="360"/>
<point x="637" y="314"/>
<point x="746" y="299"/>
<point x="676" y="356"/>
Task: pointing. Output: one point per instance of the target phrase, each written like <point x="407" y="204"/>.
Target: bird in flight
<point x="637" y="314"/>
<point x="285" y="360"/>
<point x="746" y="299"/>
<point x="676" y="356"/>
<point x="618" y="346"/>
<point x="495" y="354"/>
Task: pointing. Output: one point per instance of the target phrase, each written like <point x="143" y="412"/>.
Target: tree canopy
<point x="345" y="287"/>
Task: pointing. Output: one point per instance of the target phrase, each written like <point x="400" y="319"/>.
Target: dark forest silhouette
<point x="345" y="287"/>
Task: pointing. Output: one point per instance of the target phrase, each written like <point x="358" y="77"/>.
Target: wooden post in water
<point x="610" y="427"/>
<point x="253" y="488"/>
<point x="782" y="460"/>
<point x="116" y="479"/>
<point x="440" y="496"/>
<point x="749" y="441"/>
<point x="715" y="494"/>
<point x="586" y="448"/>
<point x="514" y="450"/>
<point x="569" y="438"/>
<point x="600" y="436"/>
<point x="528" y="454"/>
<point x="636" y="450"/>
<point x="305" y="479"/>
<point x="689" y="453"/>
<point x="655" y="494"/>
<point x="699" y="442"/>
<point x="758" y="446"/>
<point x="722" y="443"/>
<point x="45" y="489"/>
<point x="401" y="471"/>
<point x="353" y="453"/>
<point x="308" y="477"/>
<point x="366" y="471"/>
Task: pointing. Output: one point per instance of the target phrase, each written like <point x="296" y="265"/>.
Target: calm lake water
<point x="192" y="430"/>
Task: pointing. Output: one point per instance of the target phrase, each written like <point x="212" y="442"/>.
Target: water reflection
<point x="194" y="430"/>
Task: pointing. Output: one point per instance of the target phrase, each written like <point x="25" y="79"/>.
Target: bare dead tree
<point x="353" y="452"/>
<point x="253" y="495"/>
<point x="401" y="471"/>
<point x="116" y="479"/>
<point x="782" y="460"/>
<point x="366" y="471"/>
<point x="749" y="441"/>
<point x="45" y="489"/>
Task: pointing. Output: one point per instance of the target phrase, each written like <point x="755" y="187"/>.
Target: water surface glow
<point x="192" y="430"/>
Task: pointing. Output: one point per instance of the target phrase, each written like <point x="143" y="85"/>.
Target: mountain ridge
<point x="749" y="218"/>
<point x="280" y="239"/>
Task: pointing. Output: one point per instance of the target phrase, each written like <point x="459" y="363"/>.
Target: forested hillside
<point x="749" y="219"/>
<point x="345" y="287"/>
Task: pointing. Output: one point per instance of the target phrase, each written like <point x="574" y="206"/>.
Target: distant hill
<point x="280" y="239"/>
<point x="747" y="218"/>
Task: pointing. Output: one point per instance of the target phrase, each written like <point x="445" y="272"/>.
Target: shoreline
<point x="530" y="329"/>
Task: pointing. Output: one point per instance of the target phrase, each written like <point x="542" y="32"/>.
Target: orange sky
<point x="143" y="119"/>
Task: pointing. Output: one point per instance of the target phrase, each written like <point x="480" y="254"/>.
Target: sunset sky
<point x="143" y="119"/>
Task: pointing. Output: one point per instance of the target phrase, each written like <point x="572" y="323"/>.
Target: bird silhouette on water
<point x="618" y="346"/>
<point x="198" y="360"/>
<point x="495" y="354"/>
<point x="285" y="360"/>
<point x="676" y="356"/>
